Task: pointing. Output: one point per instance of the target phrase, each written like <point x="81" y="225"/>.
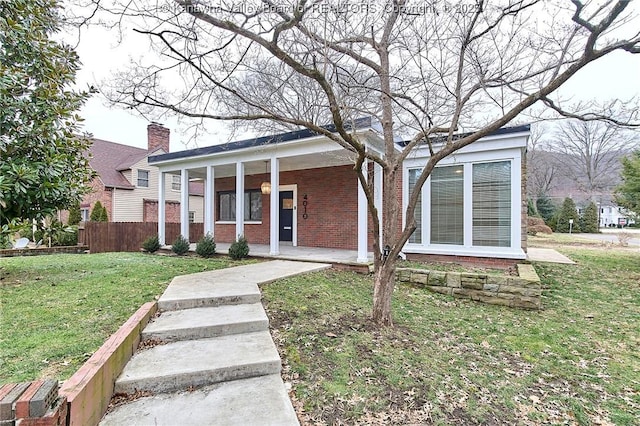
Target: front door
<point x="286" y="215"/>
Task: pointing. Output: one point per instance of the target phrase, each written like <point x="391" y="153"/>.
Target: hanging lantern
<point x="265" y="188"/>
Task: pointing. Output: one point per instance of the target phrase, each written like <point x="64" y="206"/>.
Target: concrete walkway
<point x="535" y="254"/>
<point x="215" y="362"/>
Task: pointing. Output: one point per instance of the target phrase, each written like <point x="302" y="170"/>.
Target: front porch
<point x="340" y="259"/>
<point x="293" y="190"/>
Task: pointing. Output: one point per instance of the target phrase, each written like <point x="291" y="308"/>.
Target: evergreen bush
<point x="589" y="220"/>
<point x="151" y="244"/>
<point x="239" y="249"/>
<point x="180" y="246"/>
<point x="567" y="212"/>
<point x="545" y="209"/>
<point x="75" y="216"/>
<point x="206" y="246"/>
<point x="531" y="208"/>
<point x="99" y="213"/>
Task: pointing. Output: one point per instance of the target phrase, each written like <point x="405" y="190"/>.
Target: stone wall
<point x="523" y="291"/>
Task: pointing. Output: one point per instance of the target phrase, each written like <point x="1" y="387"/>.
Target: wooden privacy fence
<point x="128" y="236"/>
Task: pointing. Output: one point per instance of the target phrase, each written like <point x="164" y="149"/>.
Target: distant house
<point x="612" y="215"/>
<point x="299" y="188"/>
<point x="127" y="185"/>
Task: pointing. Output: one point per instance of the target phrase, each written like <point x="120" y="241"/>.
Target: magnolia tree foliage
<point x="421" y="69"/>
<point x="42" y="166"/>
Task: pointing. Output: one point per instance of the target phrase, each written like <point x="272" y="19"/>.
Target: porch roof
<point x="360" y="123"/>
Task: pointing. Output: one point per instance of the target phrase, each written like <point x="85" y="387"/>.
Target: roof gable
<point x="110" y="158"/>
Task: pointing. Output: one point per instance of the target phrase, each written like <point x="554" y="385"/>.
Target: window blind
<point x="447" y="205"/>
<point x="416" y="237"/>
<point x="492" y="204"/>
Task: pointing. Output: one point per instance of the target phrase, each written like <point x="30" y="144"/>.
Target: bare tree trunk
<point x="384" y="280"/>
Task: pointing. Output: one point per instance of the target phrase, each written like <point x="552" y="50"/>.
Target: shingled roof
<point x="109" y="159"/>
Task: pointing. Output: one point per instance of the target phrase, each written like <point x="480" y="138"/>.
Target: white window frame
<point x="176" y="180"/>
<point x="514" y="155"/>
<point x="148" y="178"/>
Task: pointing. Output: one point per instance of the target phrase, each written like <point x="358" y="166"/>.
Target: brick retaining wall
<point x="523" y="291"/>
<point x="43" y="250"/>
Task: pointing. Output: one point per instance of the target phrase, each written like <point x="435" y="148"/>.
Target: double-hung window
<point x="143" y="178"/>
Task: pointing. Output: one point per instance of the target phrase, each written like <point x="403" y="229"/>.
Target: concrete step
<point x="180" y="365"/>
<point x="255" y="401"/>
<point x="232" y="286"/>
<point x="187" y="292"/>
<point x="201" y="323"/>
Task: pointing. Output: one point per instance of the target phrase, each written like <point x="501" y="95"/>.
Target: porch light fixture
<point x="265" y="187"/>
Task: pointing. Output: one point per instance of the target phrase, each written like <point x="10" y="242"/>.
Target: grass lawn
<point x="452" y="361"/>
<point x="55" y="311"/>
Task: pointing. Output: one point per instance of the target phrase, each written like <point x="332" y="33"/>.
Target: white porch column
<point x="362" y="220"/>
<point x="239" y="199"/>
<point x="274" y="209"/>
<point x="184" y="203"/>
<point x="209" y="200"/>
<point x="377" y="183"/>
<point x="161" y="208"/>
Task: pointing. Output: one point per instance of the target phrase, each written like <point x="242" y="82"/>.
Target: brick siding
<point x="171" y="211"/>
<point x="98" y="193"/>
<point x="332" y="208"/>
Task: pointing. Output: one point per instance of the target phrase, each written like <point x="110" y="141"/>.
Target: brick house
<point x="127" y="185"/>
<point x="471" y="206"/>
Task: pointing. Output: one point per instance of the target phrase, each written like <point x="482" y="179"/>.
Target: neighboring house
<point x="127" y="185"/>
<point x="613" y="215"/>
<point x="473" y="205"/>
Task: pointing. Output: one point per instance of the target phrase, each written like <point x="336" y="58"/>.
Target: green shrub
<point x="180" y="246"/>
<point x="67" y="237"/>
<point x="239" y="249"/>
<point x="566" y="213"/>
<point x="206" y="246"/>
<point x="151" y="244"/>
<point x="589" y="219"/>
<point x="99" y="213"/>
<point x="75" y="216"/>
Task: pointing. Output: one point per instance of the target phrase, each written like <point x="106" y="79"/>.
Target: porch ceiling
<point x="298" y="162"/>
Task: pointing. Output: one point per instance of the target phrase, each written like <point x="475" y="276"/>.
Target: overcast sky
<point x="614" y="77"/>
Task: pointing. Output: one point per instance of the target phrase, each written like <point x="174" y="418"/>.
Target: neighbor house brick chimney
<point x="157" y="137"/>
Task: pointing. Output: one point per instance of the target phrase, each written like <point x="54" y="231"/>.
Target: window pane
<point x="247" y="203"/>
<point x="447" y="205"/>
<point x="175" y="182"/>
<point x="143" y="178"/>
<point x="256" y="205"/>
<point x="227" y="206"/>
<point x="252" y="206"/>
<point x="416" y="237"/>
<point x="492" y="204"/>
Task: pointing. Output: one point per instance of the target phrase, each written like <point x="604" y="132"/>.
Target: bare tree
<point x="590" y="152"/>
<point x="421" y="69"/>
<point x="542" y="169"/>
